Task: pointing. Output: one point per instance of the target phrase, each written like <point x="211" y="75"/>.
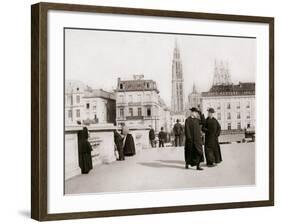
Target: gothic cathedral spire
<point x="177" y="104"/>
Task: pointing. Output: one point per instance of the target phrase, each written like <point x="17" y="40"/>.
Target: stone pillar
<point x="71" y="154"/>
<point x="104" y="132"/>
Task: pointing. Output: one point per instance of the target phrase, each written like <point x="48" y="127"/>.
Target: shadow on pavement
<point x="160" y="165"/>
<point x="172" y="161"/>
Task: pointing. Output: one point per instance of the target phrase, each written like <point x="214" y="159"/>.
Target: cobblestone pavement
<point x="163" y="168"/>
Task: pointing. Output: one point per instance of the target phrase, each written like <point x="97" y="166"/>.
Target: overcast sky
<point x="98" y="58"/>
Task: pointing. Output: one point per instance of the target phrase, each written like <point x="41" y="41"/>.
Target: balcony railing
<point x="134" y="117"/>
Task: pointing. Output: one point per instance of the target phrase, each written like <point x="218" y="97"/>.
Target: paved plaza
<point x="163" y="168"/>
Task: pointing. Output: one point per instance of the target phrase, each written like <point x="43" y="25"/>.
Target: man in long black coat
<point x="212" y="131"/>
<point x="152" y="137"/>
<point x="85" y="149"/>
<point x="178" y="131"/>
<point x="161" y="137"/>
<point x="193" y="150"/>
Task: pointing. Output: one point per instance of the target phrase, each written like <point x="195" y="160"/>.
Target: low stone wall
<point x="141" y="137"/>
<point x="101" y="137"/>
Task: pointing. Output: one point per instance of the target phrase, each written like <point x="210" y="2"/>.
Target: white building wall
<point x="245" y="105"/>
<point x="144" y="100"/>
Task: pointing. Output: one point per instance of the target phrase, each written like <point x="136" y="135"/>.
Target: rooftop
<point x="242" y="88"/>
<point x="99" y="93"/>
<point x="138" y="83"/>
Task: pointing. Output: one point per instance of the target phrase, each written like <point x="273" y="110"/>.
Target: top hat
<point x="211" y="110"/>
<point x="194" y="109"/>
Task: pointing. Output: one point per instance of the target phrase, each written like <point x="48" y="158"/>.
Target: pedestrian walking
<point x="178" y="131"/>
<point x="152" y="137"/>
<point x="161" y="137"/>
<point x="212" y="131"/>
<point x="193" y="151"/>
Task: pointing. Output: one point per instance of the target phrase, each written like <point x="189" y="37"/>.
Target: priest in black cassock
<point x="193" y="150"/>
<point x="212" y="131"/>
<point x="85" y="149"/>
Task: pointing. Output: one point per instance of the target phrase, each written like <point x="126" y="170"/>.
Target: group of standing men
<point x="195" y="124"/>
<point x="193" y="150"/>
<point x="161" y="137"/>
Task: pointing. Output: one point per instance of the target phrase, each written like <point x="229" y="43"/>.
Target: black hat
<point x="211" y="110"/>
<point x="194" y="109"/>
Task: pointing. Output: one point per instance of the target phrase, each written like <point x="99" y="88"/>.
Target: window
<point x="77" y="99"/>
<point x="87" y="105"/>
<point x="228" y="106"/>
<point x="121" y="97"/>
<point x="130" y="98"/>
<point x="148" y="112"/>
<point x="78" y="113"/>
<point x="94" y="108"/>
<point x="147" y="85"/>
<point x="248" y="115"/>
<point x="70" y="114"/>
<point x="239" y="125"/>
<point x="148" y="97"/>
<point x="248" y="125"/>
<point x="238" y="105"/>
<point x="131" y="112"/>
<point x="139" y="98"/>
<point x="219" y="116"/>
<point x="139" y="111"/>
<point x="121" y="112"/>
<point x="121" y="86"/>
<point x="228" y="116"/>
<point x="219" y="106"/>
<point x="238" y="115"/>
<point x="228" y="126"/>
<point x="248" y="104"/>
<point x="69" y="100"/>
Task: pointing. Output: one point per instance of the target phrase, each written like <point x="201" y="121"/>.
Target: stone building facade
<point x="87" y="105"/>
<point x="138" y="103"/>
<point x="99" y="106"/>
<point x="234" y="105"/>
<point x="73" y="103"/>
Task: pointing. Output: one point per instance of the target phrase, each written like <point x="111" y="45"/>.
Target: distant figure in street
<point x="118" y="140"/>
<point x="152" y="137"/>
<point x="128" y="142"/>
<point x="96" y="120"/>
<point x="193" y="151"/>
<point x="161" y="137"/>
<point x="178" y="131"/>
<point x="212" y="130"/>
<point x="84" y="149"/>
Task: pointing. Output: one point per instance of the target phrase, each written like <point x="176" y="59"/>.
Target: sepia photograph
<point x="157" y="111"/>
